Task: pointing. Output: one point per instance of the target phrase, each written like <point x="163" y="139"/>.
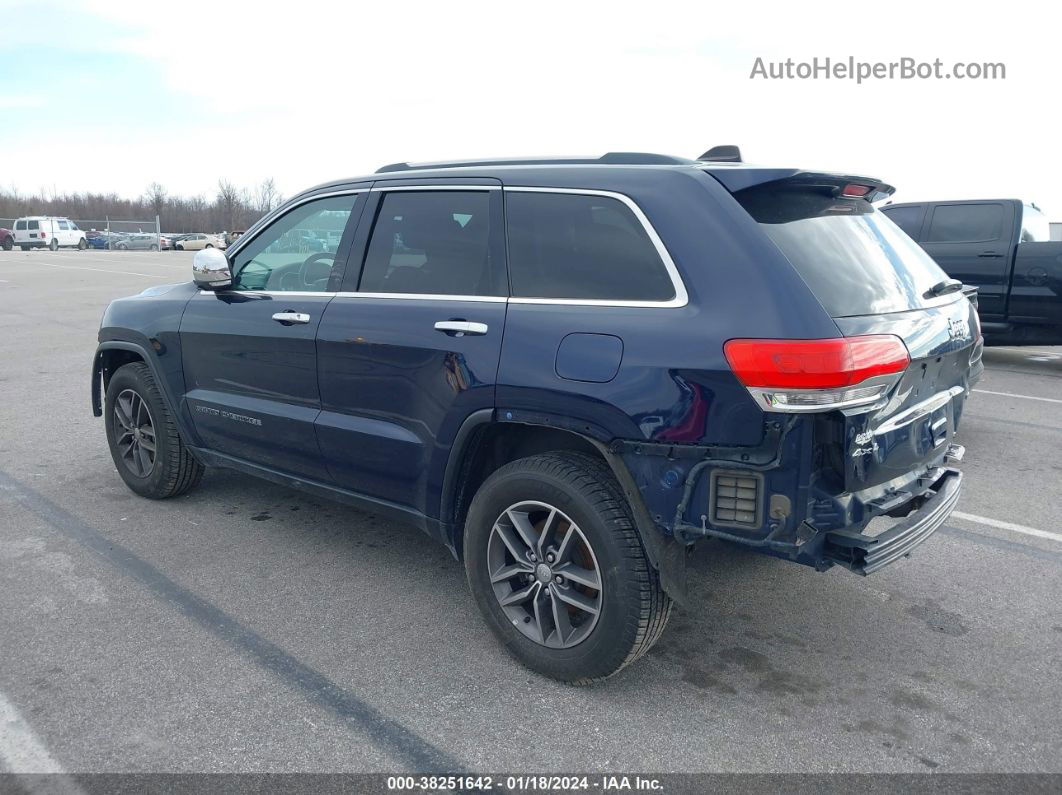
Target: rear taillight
<point x="817" y="375"/>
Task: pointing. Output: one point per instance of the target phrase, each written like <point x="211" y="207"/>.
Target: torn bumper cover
<point x="865" y="554"/>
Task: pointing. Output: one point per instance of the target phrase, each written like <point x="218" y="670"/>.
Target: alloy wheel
<point x="544" y="574"/>
<point x="134" y="433"/>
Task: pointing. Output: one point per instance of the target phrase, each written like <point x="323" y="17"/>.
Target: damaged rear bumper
<point x="865" y="554"/>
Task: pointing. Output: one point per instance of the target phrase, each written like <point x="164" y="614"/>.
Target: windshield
<point x="855" y="260"/>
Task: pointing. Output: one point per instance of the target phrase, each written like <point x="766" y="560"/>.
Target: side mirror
<point x="211" y="270"/>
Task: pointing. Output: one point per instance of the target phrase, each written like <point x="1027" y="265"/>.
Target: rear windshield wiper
<point x="943" y="288"/>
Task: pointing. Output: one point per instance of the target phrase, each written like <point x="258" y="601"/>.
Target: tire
<point x="54" y="245"/>
<point x="172" y="470"/>
<point x="8" y="244"/>
<point x="179" y="247"/>
<point x="154" y="247"/>
<point x="82" y="244"/>
<point x="24" y="248"/>
<point x="122" y="247"/>
<point x="632" y="608"/>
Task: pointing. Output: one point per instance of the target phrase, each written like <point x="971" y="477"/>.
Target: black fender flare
<point x="160" y="381"/>
<point x="666" y="554"/>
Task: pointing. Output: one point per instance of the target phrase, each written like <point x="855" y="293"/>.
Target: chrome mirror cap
<point x="210" y="269"/>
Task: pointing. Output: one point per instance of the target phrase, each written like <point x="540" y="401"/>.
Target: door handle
<point x="989" y="254"/>
<point x="291" y="318"/>
<point x="459" y="328"/>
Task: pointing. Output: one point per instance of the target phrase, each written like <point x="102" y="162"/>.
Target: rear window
<point x="855" y="260"/>
<point x="581" y="247"/>
<point x="33" y="225"/>
<point x="965" y="223"/>
<point x="20" y="225"/>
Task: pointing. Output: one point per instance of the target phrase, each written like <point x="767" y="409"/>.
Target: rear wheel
<point x="54" y="245"/>
<point x="146" y="448"/>
<point x="154" y="247"/>
<point x="558" y="569"/>
<point x="24" y="248"/>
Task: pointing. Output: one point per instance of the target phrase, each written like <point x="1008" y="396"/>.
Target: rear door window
<point x="581" y="247"/>
<point x="432" y="242"/>
<point x="855" y="260"/>
<point x="965" y="223"/>
<point x="33" y="225"/>
<point x="20" y="225"/>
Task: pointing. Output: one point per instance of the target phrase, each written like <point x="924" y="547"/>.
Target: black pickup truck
<point x="1002" y="247"/>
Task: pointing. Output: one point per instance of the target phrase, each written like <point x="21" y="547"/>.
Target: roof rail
<point x="611" y="158"/>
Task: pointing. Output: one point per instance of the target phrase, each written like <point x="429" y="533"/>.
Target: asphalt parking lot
<point x="248" y="628"/>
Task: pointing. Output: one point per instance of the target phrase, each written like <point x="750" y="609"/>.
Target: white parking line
<point x="1024" y="397"/>
<point x="22" y="752"/>
<point x="104" y="270"/>
<point x="1026" y="351"/>
<point x="1014" y="528"/>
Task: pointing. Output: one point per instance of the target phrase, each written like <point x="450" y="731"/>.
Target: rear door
<point x="972" y="242"/>
<point x="410" y="348"/>
<point x="249" y="353"/>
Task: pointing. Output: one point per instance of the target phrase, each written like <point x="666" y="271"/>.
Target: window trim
<point x="681" y="297"/>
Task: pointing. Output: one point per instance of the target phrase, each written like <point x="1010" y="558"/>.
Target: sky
<point x="111" y="95"/>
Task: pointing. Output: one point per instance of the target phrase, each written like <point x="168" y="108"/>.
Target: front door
<point x="411" y="348"/>
<point x="249" y="352"/>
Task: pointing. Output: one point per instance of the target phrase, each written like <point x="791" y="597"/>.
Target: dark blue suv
<point x="569" y="372"/>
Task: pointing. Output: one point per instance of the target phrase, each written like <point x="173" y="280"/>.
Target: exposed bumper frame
<point x="866" y="554"/>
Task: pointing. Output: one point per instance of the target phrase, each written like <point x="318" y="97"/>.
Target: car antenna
<point x="726" y="153"/>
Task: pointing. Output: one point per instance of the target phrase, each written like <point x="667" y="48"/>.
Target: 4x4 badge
<point x="958" y="328"/>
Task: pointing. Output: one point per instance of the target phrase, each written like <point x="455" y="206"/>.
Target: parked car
<point x="103" y="239"/>
<point x="196" y="242"/>
<point x="568" y="372"/>
<point x="1002" y="247"/>
<point x="38" y="231"/>
<point x="7" y="240"/>
<point x="137" y="242"/>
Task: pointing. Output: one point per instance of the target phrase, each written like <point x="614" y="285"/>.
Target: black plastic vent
<point x="735" y="498"/>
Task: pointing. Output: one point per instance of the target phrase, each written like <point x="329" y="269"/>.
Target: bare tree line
<point x="232" y="208"/>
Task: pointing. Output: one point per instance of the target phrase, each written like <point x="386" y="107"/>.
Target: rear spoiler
<point x="739" y="177"/>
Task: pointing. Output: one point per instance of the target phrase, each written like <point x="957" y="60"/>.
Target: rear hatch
<point x="874" y="280"/>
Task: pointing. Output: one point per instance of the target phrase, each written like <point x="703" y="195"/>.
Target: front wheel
<point x="82" y="244"/>
<point x="558" y="569"/>
<point x="146" y="448"/>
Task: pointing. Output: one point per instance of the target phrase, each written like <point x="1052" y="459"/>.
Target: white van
<point x="37" y="231"/>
